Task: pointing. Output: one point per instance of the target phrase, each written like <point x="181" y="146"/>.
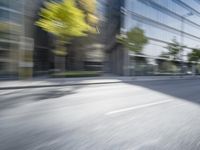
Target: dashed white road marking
<point x="137" y="107"/>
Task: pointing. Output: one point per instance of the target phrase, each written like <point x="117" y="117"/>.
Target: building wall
<point x="43" y="44"/>
<point x="19" y="37"/>
<point x="11" y="31"/>
<point x="115" y="53"/>
<point x="165" y="20"/>
<point x="161" y="20"/>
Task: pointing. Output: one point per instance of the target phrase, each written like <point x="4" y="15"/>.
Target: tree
<point x="89" y="8"/>
<point x="165" y="55"/>
<point x="174" y="49"/>
<point x="134" y="40"/>
<point x="194" y="55"/>
<point x="168" y="66"/>
<point x="88" y="5"/>
<point x="65" y="21"/>
<point x="74" y="16"/>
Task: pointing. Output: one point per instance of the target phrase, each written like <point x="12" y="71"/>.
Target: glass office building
<point x="13" y="41"/>
<point x="11" y="30"/>
<point x="163" y="22"/>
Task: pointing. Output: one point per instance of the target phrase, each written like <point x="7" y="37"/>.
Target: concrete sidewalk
<point x="52" y="82"/>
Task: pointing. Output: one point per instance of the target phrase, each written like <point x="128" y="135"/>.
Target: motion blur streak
<point x="74" y="117"/>
<point x="99" y="74"/>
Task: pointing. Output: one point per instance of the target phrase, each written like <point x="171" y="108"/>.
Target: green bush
<point x="169" y="67"/>
<point x="69" y="74"/>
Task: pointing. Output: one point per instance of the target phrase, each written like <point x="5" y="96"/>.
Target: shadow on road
<point x="184" y="89"/>
<point x="52" y="94"/>
<point x="17" y="98"/>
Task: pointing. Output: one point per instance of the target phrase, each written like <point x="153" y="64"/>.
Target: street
<point x="140" y="115"/>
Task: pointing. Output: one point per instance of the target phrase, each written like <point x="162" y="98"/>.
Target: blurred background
<point x="140" y="60"/>
<point x="69" y="38"/>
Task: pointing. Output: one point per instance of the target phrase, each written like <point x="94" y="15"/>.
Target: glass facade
<point x="163" y="21"/>
<point x="11" y="30"/>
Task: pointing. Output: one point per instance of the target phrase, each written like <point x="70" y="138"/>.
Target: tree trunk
<point x="60" y="53"/>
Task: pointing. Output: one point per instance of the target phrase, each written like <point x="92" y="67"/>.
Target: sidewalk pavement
<point x="53" y="82"/>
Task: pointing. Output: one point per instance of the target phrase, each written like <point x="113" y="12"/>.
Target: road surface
<point x="149" y="115"/>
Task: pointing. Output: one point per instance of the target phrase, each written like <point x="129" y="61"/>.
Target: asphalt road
<point x="150" y="115"/>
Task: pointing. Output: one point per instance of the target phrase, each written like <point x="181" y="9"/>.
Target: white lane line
<point x="137" y="107"/>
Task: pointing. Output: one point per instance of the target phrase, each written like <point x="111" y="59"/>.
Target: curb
<point x="57" y="85"/>
<point x="134" y="79"/>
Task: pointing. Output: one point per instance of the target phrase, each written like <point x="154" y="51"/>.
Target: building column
<point x="126" y="63"/>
